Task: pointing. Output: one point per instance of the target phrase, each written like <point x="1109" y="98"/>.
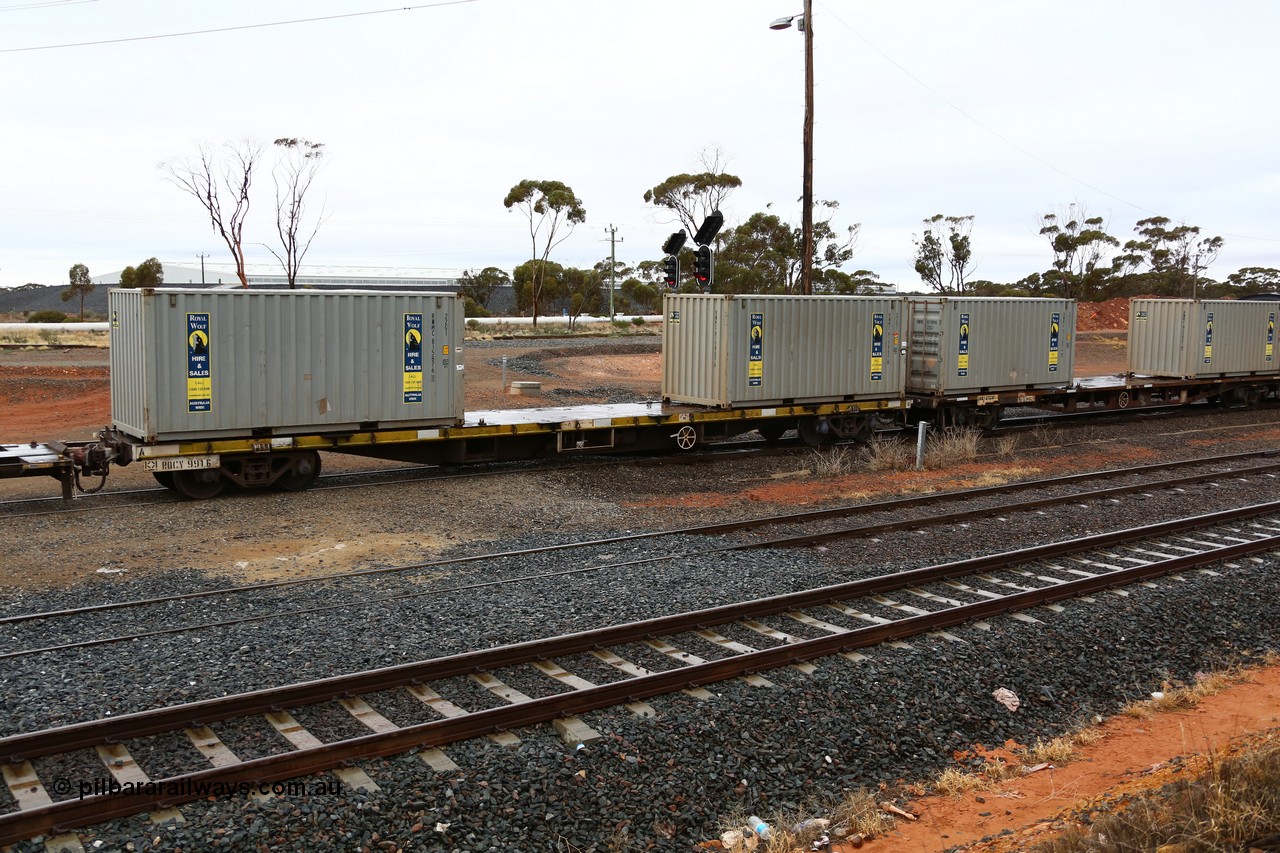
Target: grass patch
<point x="951" y="447"/>
<point x="888" y="454"/>
<point x="53" y="337"/>
<point x="1235" y="802"/>
<point x="835" y="462"/>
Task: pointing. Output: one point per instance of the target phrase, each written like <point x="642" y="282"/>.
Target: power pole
<point x="613" y="265"/>
<point x="202" y="257"/>
<point x="806" y="215"/>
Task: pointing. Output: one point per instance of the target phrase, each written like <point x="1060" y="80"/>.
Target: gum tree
<point x="552" y="210"/>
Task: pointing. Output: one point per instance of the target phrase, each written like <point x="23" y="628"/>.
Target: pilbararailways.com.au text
<point x="192" y="788"/>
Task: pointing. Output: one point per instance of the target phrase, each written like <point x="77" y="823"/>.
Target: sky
<point x="430" y="112"/>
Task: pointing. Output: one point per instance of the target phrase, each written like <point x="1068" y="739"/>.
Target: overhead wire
<point x="236" y="28"/>
<point x="46" y="4"/>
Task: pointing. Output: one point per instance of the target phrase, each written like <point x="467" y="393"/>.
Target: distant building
<point x="270" y="275"/>
<point x="223" y="275"/>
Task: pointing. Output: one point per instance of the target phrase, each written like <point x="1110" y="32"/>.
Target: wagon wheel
<point x="198" y="485"/>
<point x="1123" y="400"/>
<point x="302" y="473"/>
<point x="813" y="432"/>
<point x="686" y="437"/>
<point x="164" y="478"/>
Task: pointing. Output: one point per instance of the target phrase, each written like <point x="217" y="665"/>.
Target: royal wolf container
<point x="195" y="363"/>
<point x="972" y="345"/>
<point x="1196" y="338"/>
<point x="730" y="350"/>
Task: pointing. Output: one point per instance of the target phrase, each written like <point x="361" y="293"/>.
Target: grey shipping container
<point x="731" y="350"/>
<point x="196" y="363"/>
<point x="971" y="344"/>
<point x="1194" y="338"/>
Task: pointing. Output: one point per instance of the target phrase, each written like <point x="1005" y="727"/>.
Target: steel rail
<point x="142" y="723"/>
<point x="778" y="542"/>
<point x="173" y="790"/>
<point x="694" y="530"/>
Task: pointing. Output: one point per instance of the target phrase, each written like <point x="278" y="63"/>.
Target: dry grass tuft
<point x="1005" y="445"/>
<point x="956" y="781"/>
<point x="835" y="462"/>
<point x="860" y="813"/>
<point x="951" y="447"/>
<point x="888" y="454"/>
<point x="1235" y="801"/>
<point x="1058" y="750"/>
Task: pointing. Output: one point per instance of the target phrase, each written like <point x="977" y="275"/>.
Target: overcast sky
<point x="1004" y="109"/>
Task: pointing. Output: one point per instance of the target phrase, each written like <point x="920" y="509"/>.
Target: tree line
<point x="763" y="254"/>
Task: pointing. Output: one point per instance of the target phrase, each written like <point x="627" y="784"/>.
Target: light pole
<point x="806" y="199"/>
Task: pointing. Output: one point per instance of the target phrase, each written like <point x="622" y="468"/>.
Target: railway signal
<point x="671" y="268"/>
<point x="709" y="229"/>
<point x="702" y="266"/>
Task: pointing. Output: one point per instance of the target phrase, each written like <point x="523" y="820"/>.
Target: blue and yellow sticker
<point x="675" y="317"/>
<point x="755" y="351"/>
<point x="199" y="372"/>
<point x="1055" y="328"/>
<point x="1208" y="337"/>
<point x="1271" y="335"/>
<point x="962" y="354"/>
<point x="877" y="348"/>
<point x="413" y="358"/>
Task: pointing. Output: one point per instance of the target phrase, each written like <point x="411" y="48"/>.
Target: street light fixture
<point x="805" y="24"/>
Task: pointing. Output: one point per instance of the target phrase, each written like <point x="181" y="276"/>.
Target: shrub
<point x="46" y="317"/>
<point x="637" y="321"/>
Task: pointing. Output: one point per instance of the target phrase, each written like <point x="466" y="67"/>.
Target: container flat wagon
<point x="829" y="367"/>
<point x="1202" y="338"/>
<point x="728" y="351"/>
<point x="203" y="468"/>
<point x="970" y="356"/>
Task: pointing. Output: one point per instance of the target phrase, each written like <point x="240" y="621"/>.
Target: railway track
<point x="373" y="478"/>
<point x="830" y="523"/>
<point x="805" y="626"/>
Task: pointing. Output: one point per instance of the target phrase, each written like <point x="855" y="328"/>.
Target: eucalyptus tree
<point x="944" y="251"/>
<point x="692" y="197"/>
<point x="552" y="210"/>
<point x="479" y="287"/>
<point x="149" y="273"/>
<point x="220" y="180"/>
<point x="80" y="284"/>
<point x="297" y="165"/>
<point x="1175" y="257"/>
<point x="1080" y="245"/>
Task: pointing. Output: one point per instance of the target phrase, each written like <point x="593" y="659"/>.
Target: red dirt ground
<point x="1100" y="316"/>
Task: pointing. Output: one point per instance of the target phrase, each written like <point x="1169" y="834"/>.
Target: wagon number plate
<point x="183" y="463"/>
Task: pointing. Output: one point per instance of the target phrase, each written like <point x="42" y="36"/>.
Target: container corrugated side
<point x="1192" y="339"/>
<point x="194" y="363"/>
<point x="971" y="344"/>
<point x="732" y="350"/>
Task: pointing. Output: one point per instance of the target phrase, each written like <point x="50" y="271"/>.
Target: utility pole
<point x="613" y="265"/>
<point x="202" y="257"/>
<point x="806" y="261"/>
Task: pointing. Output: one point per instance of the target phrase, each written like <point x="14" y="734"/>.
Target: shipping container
<point x="1196" y="338"/>
<point x="973" y="344"/>
<point x="195" y="363"/>
<point x="728" y="350"/>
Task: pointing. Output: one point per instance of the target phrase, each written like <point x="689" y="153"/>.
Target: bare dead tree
<point x="295" y="171"/>
<point x="220" y="181"/>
